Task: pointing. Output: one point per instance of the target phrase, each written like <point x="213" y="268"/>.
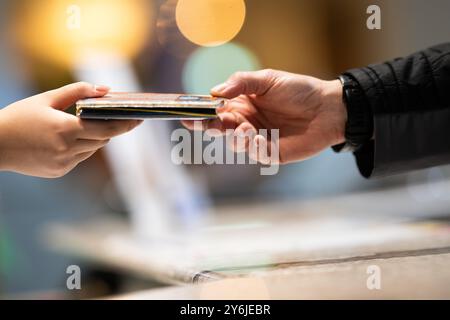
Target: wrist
<point x="359" y="125"/>
<point x="332" y="97"/>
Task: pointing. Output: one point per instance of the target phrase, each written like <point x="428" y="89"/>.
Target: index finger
<point x="104" y="129"/>
<point x="224" y="121"/>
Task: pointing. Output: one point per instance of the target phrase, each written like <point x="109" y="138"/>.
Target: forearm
<point x="3" y="146"/>
<point x="410" y="102"/>
<point x="12" y="134"/>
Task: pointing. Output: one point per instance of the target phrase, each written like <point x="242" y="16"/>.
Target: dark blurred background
<point x="320" y="38"/>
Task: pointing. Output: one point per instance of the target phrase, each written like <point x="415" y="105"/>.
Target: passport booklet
<point x="141" y="106"/>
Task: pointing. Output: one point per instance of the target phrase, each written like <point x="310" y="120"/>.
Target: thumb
<point x="256" y="82"/>
<point x="66" y="96"/>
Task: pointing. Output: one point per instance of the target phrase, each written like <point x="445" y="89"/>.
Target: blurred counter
<point x="315" y="245"/>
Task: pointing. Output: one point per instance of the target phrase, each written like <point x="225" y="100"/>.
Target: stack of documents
<point x="149" y="106"/>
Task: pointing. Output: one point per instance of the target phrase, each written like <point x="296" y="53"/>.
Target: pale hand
<point x="38" y="138"/>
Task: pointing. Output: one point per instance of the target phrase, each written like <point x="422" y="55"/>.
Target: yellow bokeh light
<point x="210" y="22"/>
<point x="62" y="30"/>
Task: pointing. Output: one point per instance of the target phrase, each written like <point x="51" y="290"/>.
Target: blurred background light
<point x="210" y="22"/>
<point x="47" y="29"/>
<point x="168" y="34"/>
<point x="209" y="66"/>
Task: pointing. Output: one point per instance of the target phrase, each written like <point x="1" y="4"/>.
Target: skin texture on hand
<point x="38" y="138"/>
<point x="309" y="112"/>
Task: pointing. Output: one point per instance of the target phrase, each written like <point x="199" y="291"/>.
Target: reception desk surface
<point x="318" y="249"/>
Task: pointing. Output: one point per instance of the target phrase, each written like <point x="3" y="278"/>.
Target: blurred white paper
<point x="159" y="194"/>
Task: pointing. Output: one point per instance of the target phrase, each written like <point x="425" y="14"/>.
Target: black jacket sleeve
<point x="410" y="101"/>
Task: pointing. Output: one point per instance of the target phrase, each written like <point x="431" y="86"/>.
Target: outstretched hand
<point x="308" y="112"/>
<point x="38" y="138"/>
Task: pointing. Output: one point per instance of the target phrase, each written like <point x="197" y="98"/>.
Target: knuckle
<point x="60" y="146"/>
<point x="238" y="75"/>
<point x="62" y="126"/>
<point x="66" y="124"/>
<point x="85" y="86"/>
<point x="82" y="85"/>
<point x="81" y="88"/>
<point x="268" y="73"/>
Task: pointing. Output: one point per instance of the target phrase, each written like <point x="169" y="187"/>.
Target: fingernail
<point x="220" y="88"/>
<point x="101" y="88"/>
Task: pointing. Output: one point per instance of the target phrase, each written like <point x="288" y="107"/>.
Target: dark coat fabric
<point x="410" y="101"/>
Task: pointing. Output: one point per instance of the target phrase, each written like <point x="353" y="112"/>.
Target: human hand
<point x="308" y="112"/>
<point x="37" y="138"/>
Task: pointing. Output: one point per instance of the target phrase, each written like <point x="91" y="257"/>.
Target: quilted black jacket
<point x="410" y="101"/>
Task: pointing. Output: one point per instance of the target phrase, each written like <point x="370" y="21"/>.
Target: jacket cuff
<point x="373" y="157"/>
<point x="410" y="103"/>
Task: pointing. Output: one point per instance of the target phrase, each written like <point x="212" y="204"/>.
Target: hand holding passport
<point x="139" y="106"/>
<point x="41" y="139"/>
